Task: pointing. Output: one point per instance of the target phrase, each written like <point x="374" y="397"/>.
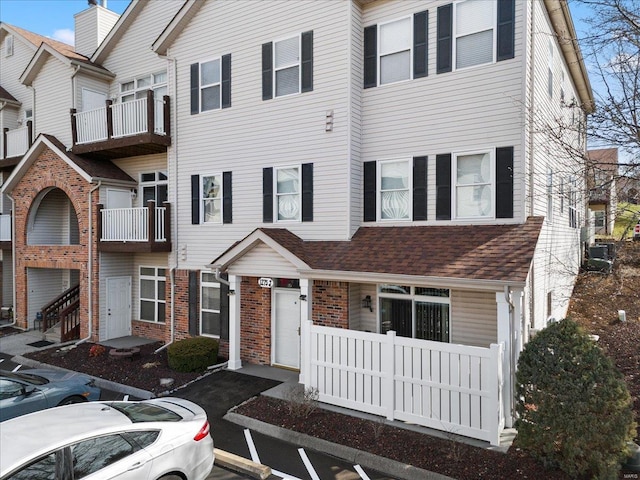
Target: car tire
<point x="72" y="399"/>
<point x="171" y="476"/>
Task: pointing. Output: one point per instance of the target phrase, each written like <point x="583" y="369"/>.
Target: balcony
<point x="141" y="229"/>
<point x="15" y="143"/>
<point x="5" y="231"/>
<point x="118" y="130"/>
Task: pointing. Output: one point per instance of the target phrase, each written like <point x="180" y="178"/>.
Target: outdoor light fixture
<point x="366" y="303"/>
<point x="303" y="298"/>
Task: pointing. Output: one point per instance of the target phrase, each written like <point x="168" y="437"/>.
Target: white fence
<point x="454" y="388"/>
<point x="5" y="228"/>
<point x="17" y="142"/>
<point x="131" y="224"/>
<point x="129" y="118"/>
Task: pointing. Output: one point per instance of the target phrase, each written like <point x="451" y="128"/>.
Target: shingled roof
<point x="62" y="48"/>
<point x="474" y="252"/>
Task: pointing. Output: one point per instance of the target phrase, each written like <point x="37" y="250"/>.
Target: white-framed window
<point x="474" y="184"/>
<point x="573" y="202"/>
<point x="210" y="85"/>
<point x="561" y="194"/>
<point x="549" y="195"/>
<point x="154" y="187"/>
<point x="562" y="87"/>
<point x="395" y="48"/>
<point x="211" y="198"/>
<point x="152" y="294"/>
<point x="8" y="46"/>
<point x="210" y="305"/>
<point x="286" y="66"/>
<point x="415" y="312"/>
<point x="137" y="88"/>
<point x="474" y="27"/>
<point x="288" y="196"/>
<point x="599" y="218"/>
<point x="550" y="69"/>
<point x="394" y="189"/>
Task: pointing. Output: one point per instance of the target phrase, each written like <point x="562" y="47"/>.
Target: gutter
<point x="90" y="267"/>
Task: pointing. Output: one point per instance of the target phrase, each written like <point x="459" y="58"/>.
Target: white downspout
<point x="531" y="93"/>
<point x="90" y="266"/>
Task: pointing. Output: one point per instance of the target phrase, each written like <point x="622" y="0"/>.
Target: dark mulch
<point x="6" y="331"/>
<point x="141" y="371"/>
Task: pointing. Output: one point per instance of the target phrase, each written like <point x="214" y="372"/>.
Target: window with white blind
<point x="394" y="189"/>
<point x="395" y="50"/>
<point x="474" y="27"/>
<point x="286" y="66"/>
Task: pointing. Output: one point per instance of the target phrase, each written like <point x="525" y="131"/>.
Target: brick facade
<point x="330" y="304"/>
<point x="255" y="322"/>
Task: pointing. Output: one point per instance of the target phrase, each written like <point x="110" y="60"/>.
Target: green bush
<point x="574" y="408"/>
<point x="192" y="354"/>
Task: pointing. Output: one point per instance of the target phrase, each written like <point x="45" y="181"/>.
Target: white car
<point x="164" y="438"/>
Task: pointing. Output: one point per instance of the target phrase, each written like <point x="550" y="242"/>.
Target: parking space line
<point x="16" y="369"/>
<point x="360" y="471"/>
<point x="251" y="445"/>
<point x="308" y="465"/>
<point x="125" y="398"/>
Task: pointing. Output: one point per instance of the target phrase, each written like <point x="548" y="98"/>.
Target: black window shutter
<point x="420" y="188"/>
<point x="445" y="39"/>
<point x="267" y="71"/>
<point x="267" y="195"/>
<point x="195" y="199"/>
<point x="420" y="44"/>
<point x="307" y="192"/>
<point x="371" y="56"/>
<point x="443" y="187"/>
<point x="226" y="81"/>
<point x="306" y="61"/>
<point x="193" y="304"/>
<point x="224" y="310"/>
<point x="504" y="182"/>
<point x="370" y="191"/>
<point x="227" y="206"/>
<point x="195" y="88"/>
<point x="506" y="29"/>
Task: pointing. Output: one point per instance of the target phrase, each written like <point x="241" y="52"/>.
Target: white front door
<point x="286" y="327"/>
<point x="118" y="307"/>
<point x="117" y="198"/>
<point x="92" y="100"/>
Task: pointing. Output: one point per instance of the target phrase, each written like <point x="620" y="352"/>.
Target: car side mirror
<point x="26" y="391"/>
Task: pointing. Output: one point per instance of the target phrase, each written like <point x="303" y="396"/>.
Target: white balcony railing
<point x="5" y="228"/>
<point x="17" y="142"/>
<point x="131" y="224"/>
<point x="128" y="118"/>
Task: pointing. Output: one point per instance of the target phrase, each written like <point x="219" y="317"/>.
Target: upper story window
<point x="8" y="46"/>
<point x="137" y="88"/>
<point x="287" y="66"/>
<point x="474" y="32"/>
<point x="474" y="184"/>
<point x="550" y="69"/>
<point x="211" y="84"/>
<point x="573" y="202"/>
<point x="211" y="198"/>
<point x="549" y="195"/>
<point x="395" y="196"/>
<point x="154" y="187"/>
<point x="288" y="193"/>
<point x="396" y="50"/>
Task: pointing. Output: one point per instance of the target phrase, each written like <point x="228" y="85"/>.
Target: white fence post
<point x="495" y="387"/>
<point x="388" y="372"/>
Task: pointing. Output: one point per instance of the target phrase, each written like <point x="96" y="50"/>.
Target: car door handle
<point x="136" y="466"/>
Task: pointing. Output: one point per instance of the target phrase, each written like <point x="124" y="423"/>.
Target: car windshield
<point x="25" y="377"/>
<point x="144" y="412"/>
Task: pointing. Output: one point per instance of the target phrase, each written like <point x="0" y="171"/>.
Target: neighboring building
<point x="373" y="166"/>
<point x="602" y="174"/>
<point x="628" y="189"/>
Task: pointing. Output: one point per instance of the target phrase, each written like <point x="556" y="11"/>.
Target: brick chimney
<point x="92" y="26"/>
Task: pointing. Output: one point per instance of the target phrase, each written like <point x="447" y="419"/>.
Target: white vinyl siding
<point x="53" y="100"/>
<point x="89" y="83"/>
<point x="474" y="318"/>
<point x="50" y="224"/>
<point x="263" y="261"/>
<point x="43" y="285"/>
<point x="7" y="277"/>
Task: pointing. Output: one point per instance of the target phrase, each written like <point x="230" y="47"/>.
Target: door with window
<point x="286" y="327"/>
<point x="118" y="307"/>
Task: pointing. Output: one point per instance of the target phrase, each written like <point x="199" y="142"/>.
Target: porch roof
<point x="500" y="253"/>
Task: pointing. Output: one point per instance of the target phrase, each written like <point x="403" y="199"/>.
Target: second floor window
<point x="154" y="187"/>
<point x="473" y="185"/>
<point x="395" y="51"/>
<point x="137" y="88"/>
<point x="288" y="200"/>
<point x="211" y="200"/>
<point x="395" y="196"/>
<point x="211" y="84"/>
<point x="474" y="27"/>
<point x="287" y="193"/>
<point x="287" y="66"/>
<point x="8" y="46"/>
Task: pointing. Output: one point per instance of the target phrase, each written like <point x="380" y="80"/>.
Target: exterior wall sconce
<point x="366" y="303"/>
<point x="303" y="298"/>
<point x="232" y="292"/>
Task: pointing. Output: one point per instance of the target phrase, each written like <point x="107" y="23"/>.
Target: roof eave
<point x="175" y="26"/>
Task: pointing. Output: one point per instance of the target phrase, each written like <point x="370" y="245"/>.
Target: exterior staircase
<point x="61" y="317"/>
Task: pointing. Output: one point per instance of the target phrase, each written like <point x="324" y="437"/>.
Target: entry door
<point x="118" y="198"/>
<point x="118" y="307"/>
<point x="92" y="99"/>
<point x="286" y="328"/>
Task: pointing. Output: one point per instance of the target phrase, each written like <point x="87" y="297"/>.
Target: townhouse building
<point x="313" y="182"/>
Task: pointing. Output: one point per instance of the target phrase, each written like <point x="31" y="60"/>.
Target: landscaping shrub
<point x="574" y="408"/>
<point x="192" y="354"/>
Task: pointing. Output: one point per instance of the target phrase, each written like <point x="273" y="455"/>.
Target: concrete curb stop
<point x="242" y="465"/>
<point x="357" y="457"/>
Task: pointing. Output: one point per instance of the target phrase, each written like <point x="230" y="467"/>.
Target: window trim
<point x="156" y="278"/>
<point x="550" y="72"/>
<point x="413" y="297"/>
<point x="201" y="86"/>
<point x="220" y="197"/>
<point x="205" y="284"/>
<point x="549" y="193"/>
<point x="276" y="195"/>
<point x="275" y="69"/>
<point x="379" y="54"/>
<point x="455" y="36"/>
<point x="152" y="86"/>
<point x="409" y="189"/>
<point x="155" y="184"/>
<point x="454" y="182"/>
<point x="9" y="43"/>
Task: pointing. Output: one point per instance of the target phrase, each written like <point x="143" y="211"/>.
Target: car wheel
<point x="171" y="477"/>
<point x="73" y="399"/>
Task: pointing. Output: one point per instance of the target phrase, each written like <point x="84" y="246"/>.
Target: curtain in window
<point x="212" y="198"/>
<point x="473" y="191"/>
<point x="474" y="33"/>
<point x="288" y="190"/>
<point x="394" y="183"/>
<point x="395" y="51"/>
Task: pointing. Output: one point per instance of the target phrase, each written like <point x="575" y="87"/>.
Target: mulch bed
<point x="6" y="331"/>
